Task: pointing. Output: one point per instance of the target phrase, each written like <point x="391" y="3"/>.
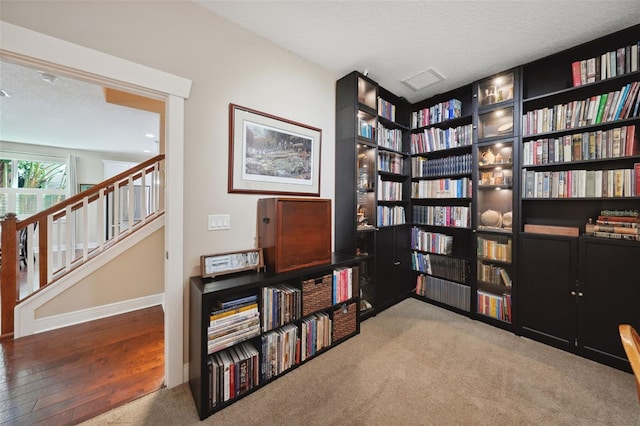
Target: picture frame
<point x="272" y="155"/>
<point x="213" y="265"/>
<point x="84" y="186"/>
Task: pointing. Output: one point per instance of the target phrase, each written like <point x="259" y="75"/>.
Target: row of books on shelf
<point x="238" y="369"/>
<point x="450" y="268"/>
<point x="365" y="129"/>
<point x="455" y="164"/>
<point x="343" y="281"/>
<point x="581" y="183"/>
<point x="279" y="351"/>
<point x="231" y="325"/>
<point x="496" y="306"/>
<point x="610" y="64"/>
<point x="438" y="113"/>
<point x="391" y="215"/>
<point x="493" y="274"/>
<point x="315" y="334"/>
<point x="618" y="224"/>
<point x="232" y="372"/>
<point x="603" y="108"/>
<point x="595" y="145"/>
<point x="436" y="139"/>
<point x="386" y="109"/>
<point x="390" y="162"/>
<point x="281" y="304"/>
<point x="451" y="216"/>
<point x="491" y="249"/>
<point x="433" y="242"/>
<point x="447" y="292"/>
<point x="389" y="190"/>
<point x="442" y="188"/>
<point x="390" y="138"/>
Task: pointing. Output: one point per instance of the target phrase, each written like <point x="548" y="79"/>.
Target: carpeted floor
<point x="417" y="364"/>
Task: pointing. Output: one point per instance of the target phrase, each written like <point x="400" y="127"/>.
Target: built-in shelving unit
<point x="508" y="182"/>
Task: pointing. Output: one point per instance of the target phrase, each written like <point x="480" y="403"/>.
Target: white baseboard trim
<point x="24" y="313"/>
<point x="90" y="314"/>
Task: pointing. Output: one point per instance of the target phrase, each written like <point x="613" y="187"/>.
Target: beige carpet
<point x="416" y="364"/>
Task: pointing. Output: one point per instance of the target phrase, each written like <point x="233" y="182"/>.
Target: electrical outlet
<point x="218" y="222"/>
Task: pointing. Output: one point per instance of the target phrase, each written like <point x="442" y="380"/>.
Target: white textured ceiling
<point x="393" y="40"/>
<point x="70" y="114"/>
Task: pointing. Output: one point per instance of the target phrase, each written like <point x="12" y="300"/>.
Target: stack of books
<point x="235" y="321"/>
<point x="616" y="224"/>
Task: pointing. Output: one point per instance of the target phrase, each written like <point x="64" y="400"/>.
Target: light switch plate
<point x="218" y="222"/>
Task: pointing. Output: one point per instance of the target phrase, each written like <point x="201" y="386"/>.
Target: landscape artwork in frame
<point x="272" y="155"/>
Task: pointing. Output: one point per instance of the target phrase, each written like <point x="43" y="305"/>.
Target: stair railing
<point x="55" y="241"/>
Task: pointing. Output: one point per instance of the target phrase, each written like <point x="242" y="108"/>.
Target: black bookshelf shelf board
<point x="495" y="231"/>
<point x="583" y="129"/>
<point x="582" y="91"/>
<point x="564" y="165"/>
<point x="392" y="175"/>
<point x="391" y="124"/>
<point x="441" y="304"/>
<point x="366" y="109"/>
<point x="443" y="152"/>
<point x="384" y="148"/>
<point x="454" y="122"/>
<point x="496" y="261"/>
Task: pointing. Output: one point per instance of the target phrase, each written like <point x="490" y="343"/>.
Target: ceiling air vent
<point x="423" y="79"/>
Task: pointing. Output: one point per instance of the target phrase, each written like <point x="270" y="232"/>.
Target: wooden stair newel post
<point x="8" y="271"/>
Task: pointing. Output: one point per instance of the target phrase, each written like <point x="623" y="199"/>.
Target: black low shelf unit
<point x="204" y="292"/>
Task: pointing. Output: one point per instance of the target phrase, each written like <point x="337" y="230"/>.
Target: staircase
<point x="48" y="247"/>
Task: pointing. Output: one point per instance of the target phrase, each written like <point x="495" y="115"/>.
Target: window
<point x="32" y="183"/>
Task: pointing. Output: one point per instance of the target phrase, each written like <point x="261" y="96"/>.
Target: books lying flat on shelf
<point x="615" y="224"/>
<point x="231" y="326"/>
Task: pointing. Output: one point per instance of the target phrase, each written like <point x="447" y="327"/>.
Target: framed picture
<point x="272" y="155"/>
<point x="213" y="265"/>
<point x="84" y="186"/>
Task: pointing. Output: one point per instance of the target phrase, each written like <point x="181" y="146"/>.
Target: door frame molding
<point x="36" y="49"/>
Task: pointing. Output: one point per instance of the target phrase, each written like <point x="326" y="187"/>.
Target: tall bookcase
<point x="580" y="157"/>
<point x="500" y="224"/>
<point x="441" y="194"/>
<point x="496" y="129"/>
<point x="372" y="188"/>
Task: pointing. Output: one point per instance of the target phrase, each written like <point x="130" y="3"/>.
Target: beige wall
<point x="137" y="273"/>
<point x="227" y="65"/>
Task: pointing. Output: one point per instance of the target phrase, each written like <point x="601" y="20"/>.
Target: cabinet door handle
<point x="580" y="294"/>
<point x="573" y="293"/>
<point x="396" y="263"/>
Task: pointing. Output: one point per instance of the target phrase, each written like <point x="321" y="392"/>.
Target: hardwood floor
<point x="66" y="376"/>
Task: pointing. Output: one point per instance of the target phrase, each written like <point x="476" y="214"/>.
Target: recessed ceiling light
<point x="150" y="135"/>
<point x="146" y="151"/>
<point x="4" y="94"/>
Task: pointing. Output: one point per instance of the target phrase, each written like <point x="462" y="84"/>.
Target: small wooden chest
<point x="294" y="233"/>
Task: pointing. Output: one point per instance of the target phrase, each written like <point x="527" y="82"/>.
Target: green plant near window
<point x="35" y="174"/>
